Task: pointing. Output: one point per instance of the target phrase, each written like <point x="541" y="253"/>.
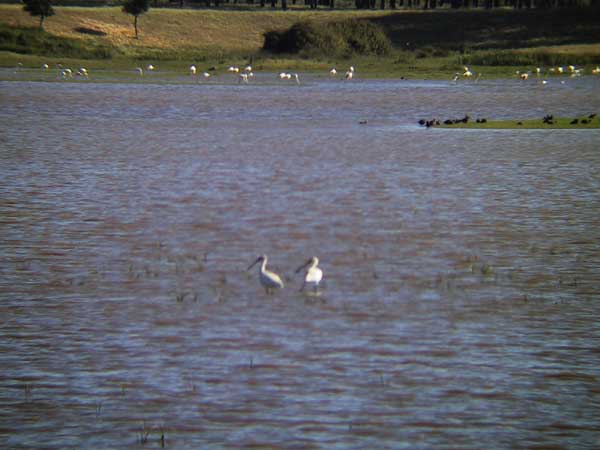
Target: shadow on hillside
<point x="457" y="30"/>
<point x="90" y="31"/>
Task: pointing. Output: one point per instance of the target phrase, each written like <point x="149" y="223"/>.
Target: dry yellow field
<point x="163" y="29"/>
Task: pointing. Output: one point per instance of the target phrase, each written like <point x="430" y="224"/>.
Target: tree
<point x="41" y="8"/>
<point x="136" y="8"/>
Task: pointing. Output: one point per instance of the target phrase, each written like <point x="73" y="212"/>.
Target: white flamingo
<point x="269" y="280"/>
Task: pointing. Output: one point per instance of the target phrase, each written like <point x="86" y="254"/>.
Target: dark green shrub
<point x="329" y="39"/>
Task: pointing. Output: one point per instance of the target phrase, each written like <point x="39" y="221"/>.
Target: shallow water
<point x="460" y="301"/>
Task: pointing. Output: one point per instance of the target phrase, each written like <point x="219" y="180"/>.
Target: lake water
<point x="460" y="307"/>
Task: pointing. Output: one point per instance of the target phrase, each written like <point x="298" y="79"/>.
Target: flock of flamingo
<point x="271" y="281"/>
<point x="244" y="75"/>
<point x="538" y="71"/>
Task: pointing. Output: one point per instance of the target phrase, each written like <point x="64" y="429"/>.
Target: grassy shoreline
<point x="557" y="123"/>
<point x="441" y="43"/>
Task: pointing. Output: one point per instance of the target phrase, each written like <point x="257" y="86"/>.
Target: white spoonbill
<point x="350" y="73"/>
<point x="269" y="280"/>
<point x="193" y="70"/>
<point x="150" y="67"/>
<point x="314" y="275"/>
<point x="333" y="72"/>
<point x="140" y="71"/>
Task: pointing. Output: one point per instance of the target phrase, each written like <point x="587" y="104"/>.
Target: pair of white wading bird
<point x="271" y="281"/>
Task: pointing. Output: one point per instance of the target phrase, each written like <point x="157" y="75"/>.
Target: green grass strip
<point x="573" y="123"/>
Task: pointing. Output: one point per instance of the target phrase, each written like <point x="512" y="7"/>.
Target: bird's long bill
<point x="253" y="264"/>
<point x="303" y="265"/>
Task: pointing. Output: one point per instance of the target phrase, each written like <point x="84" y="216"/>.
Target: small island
<point x="547" y="122"/>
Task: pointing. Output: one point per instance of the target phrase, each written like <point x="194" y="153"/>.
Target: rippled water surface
<point x="460" y="305"/>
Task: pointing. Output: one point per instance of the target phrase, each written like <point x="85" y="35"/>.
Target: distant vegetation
<point x="330" y="39"/>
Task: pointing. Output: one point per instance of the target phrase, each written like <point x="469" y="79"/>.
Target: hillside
<point x="423" y="41"/>
<point x="211" y="31"/>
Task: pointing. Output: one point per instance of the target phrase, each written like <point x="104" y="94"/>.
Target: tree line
<point x="382" y="4"/>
